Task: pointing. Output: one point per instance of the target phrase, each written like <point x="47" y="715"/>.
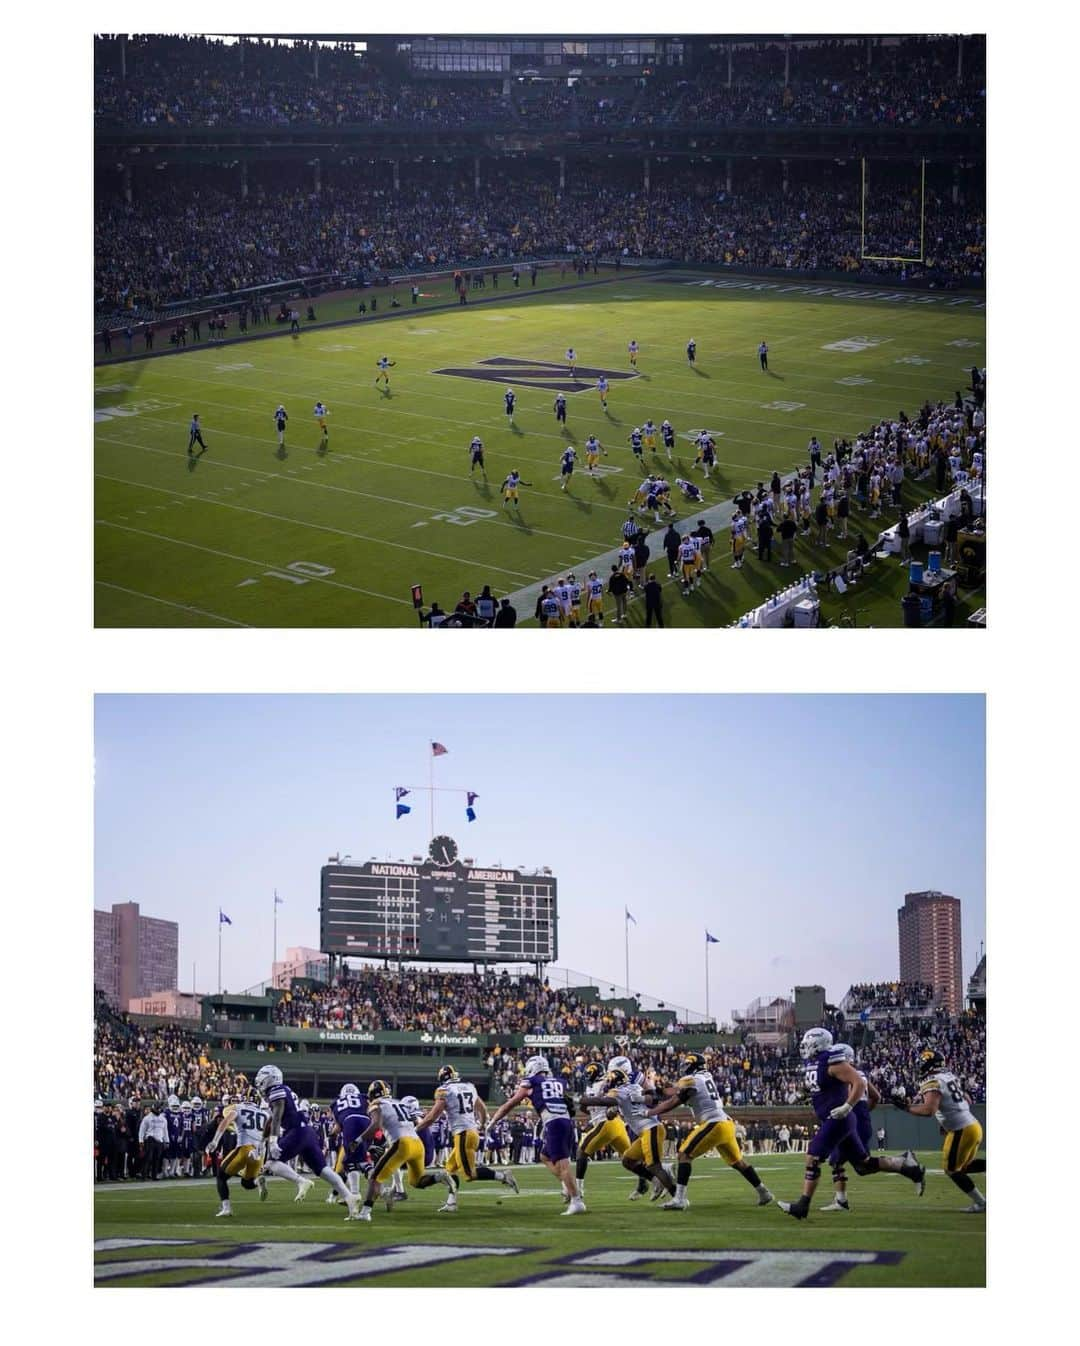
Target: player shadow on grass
<point x="774" y="375"/>
<point x="613" y="419"/>
<point x="605" y="488"/>
<point x="516" y="429"/>
<point x="701" y="373"/>
<point x="281" y="453"/>
<point x="483" y="487"/>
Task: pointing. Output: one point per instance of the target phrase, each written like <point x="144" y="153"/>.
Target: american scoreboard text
<point x="453" y="912"/>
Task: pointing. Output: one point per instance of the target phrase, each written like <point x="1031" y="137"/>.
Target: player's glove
<point x="899" y="1100"/>
<point x="273" y="1150"/>
<point x="611" y="1114"/>
<point x="209" y="1153"/>
<point x="841" y="1111"/>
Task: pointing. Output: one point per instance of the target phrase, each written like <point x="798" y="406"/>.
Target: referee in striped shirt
<point x="630" y="529"/>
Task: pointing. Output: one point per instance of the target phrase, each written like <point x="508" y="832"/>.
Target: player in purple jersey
<point x="864" y="1125"/>
<point x="835" y="1086"/>
<point x="173" y="1149"/>
<point x="350" y="1121"/>
<point x="549" y="1098"/>
<point x="290" y="1137"/>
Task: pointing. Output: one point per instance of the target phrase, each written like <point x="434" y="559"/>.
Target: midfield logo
<point x="553" y="374"/>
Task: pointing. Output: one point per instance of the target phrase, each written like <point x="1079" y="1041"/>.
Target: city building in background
<point x="167" y="1005"/>
<point x="929" y="932"/>
<point x="299" y="962"/>
<point x="134" y="955"/>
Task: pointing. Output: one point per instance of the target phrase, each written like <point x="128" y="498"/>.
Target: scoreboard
<point x="443" y="912"/>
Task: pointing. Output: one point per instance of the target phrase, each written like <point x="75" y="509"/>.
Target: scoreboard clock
<point x="440" y="909"/>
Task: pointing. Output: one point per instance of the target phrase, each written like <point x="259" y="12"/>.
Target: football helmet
<point x="304" y="1106"/>
<point x="446" y="1074"/>
<point x="592" y="1070"/>
<point x="411" y="1104"/>
<point x="269" y="1077"/>
<point x="931" y="1059"/>
<point x="185" y="1106"/>
<point x="618" y="1077"/>
<point x="174" y="1102"/>
<point x="378" y="1089"/>
<point x="693" y="1062"/>
<point x="348" y="1091"/>
<point x="537" y="1065"/>
<point x="195" y="1102"/>
<point x="814" y="1040"/>
<point x="622" y="1063"/>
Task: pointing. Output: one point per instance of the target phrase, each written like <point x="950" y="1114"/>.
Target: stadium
<point x="430" y="1094"/>
<point x="397" y="330"/>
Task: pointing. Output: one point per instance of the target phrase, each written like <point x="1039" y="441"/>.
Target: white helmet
<point x="537" y="1065"/>
<point x="304" y="1105"/>
<point x="195" y="1102"/>
<point x="621" y="1063"/>
<point x="348" y="1091"/>
<point x="814" y="1040"/>
<point x="267" y="1078"/>
<point x="174" y="1102"/>
<point x="185" y="1106"/>
<point x="410" y="1103"/>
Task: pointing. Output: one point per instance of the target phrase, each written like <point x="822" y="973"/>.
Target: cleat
<point x="764" y="1196"/>
<point x="332" y="1198"/>
<point x="635" y="1195"/>
<point x="835" y="1205"/>
<point x="364" y="1213"/>
<point x="305" y="1186"/>
<point x="389" y="1198"/>
<point x="510" y="1181"/>
<point x="797" y="1209"/>
<point x="450" y="1206"/>
<point x="920" y="1181"/>
<point x="976" y="1208"/>
<point x="676" y="1204"/>
<point x="576" y="1207"/>
<point x="223" y="1211"/>
<point x="260" y="1183"/>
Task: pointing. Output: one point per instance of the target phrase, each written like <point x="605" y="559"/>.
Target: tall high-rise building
<point x="134" y="955"/>
<point x="929" y="930"/>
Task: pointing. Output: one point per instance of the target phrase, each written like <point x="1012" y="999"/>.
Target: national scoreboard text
<point x="444" y="913"/>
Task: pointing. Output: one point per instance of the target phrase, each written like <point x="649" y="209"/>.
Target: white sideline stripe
<point x="230" y="556"/>
<point x="304" y="523"/>
<point x="186" y="607"/>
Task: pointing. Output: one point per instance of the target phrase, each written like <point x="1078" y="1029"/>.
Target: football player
<point x="281" y="417"/>
<point x="383" y="367"/>
<point x="404" y="1148"/>
<point x="594" y="587"/>
<point x="648" y="433"/>
<point x="289" y="1136"/>
<point x="571" y="360"/>
<point x="865" y="1127"/>
<point x="644" y="1157"/>
<point x="667" y="434"/>
<point x="602" y="389"/>
<point x="606" y="1127"/>
<point x="835" y="1087"/>
<point x="942" y="1097"/>
<point x="632" y="351"/>
<point x="248" y="1120"/>
<point x="567" y="468"/>
<point x="510" y="486"/>
<point x="713" y="1129"/>
<point x="467" y="1113"/>
<point x="560" y="408"/>
<point x="508" y="401"/>
<point x="350" y="1121"/>
<point x="476" y="456"/>
<point x="320" y="413"/>
<point x="593" y="450"/>
<point x="549" y="1099"/>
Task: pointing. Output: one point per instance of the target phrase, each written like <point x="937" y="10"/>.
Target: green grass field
<point x="166" y="1234"/>
<point x="248" y="537"/>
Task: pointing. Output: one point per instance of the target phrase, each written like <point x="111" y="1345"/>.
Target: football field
<point x="250" y="535"/>
<point x="166" y="1233"/>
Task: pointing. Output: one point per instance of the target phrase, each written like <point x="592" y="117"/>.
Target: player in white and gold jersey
<point x="244" y="1161"/>
<point x="645" y="1154"/>
<point x="942" y="1097"/>
<point x="606" y="1127"/>
<point x="594" y="588"/>
<point x="465" y="1109"/>
<point x="593" y="450"/>
<point x="404" y="1148"/>
<point x="713" y="1129"/>
<point x="688" y="564"/>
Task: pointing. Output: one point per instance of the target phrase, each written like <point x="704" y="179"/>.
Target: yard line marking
<point x="318" y="527"/>
<point x="328" y="486"/>
<point x="186" y="607"/>
<point x="231" y="556"/>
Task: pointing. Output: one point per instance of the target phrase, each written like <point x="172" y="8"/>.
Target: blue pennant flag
<point x="222" y="918"/>
<point x="629" y="918"/>
<point x="710" y="939"/>
<point x="471" y="815"/>
<point x="471" y="797"/>
<point x="403" y="808"/>
<point x="400" y="792"/>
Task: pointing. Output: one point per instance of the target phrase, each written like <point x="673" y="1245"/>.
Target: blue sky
<point x="790" y="826"/>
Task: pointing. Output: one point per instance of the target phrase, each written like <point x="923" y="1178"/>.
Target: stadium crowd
<point x="200" y="82"/>
<point x="889" y="995"/>
<point x="181" y="241"/>
<point x="372" y="998"/>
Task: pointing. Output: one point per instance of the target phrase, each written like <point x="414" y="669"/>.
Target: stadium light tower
<point x="337" y="859"/>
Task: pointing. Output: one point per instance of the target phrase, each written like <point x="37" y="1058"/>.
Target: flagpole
<point x="431" y="788"/>
<point x="707" y="1019"/>
<point x="626" y="923"/>
<point x="275" y="938"/>
<point x="219" y="925"/>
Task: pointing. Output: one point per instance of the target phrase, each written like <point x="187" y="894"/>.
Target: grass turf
<point x="929" y="1240"/>
<point x="246" y="536"/>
